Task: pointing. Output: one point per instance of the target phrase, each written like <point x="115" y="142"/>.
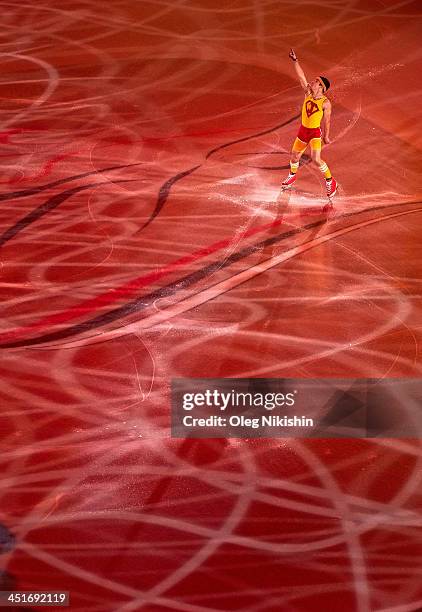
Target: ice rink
<point x="144" y="237"/>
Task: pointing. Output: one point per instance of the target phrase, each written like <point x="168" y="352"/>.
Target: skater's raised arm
<point x="326" y="120"/>
<point x="301" y="75"/>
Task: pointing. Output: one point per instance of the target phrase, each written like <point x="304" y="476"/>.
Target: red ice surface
<point x="143" y="145"/>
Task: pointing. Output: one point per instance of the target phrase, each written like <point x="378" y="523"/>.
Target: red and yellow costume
<point x="310" y="130"/>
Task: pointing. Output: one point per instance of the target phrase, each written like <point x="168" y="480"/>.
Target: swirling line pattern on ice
<point x="94" y="89"/>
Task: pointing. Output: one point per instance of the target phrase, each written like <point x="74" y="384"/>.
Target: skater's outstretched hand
<point x="301" y="75"/>
<point x="292" y="55"/>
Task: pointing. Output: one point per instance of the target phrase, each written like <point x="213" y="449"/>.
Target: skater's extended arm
<point x="326" y="120"/>
<point x="301" y="75"/>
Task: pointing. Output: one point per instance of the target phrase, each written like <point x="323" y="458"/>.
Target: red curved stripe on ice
<point x="130" y="288"/>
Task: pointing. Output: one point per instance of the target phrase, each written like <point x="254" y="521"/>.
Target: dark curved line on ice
<point x="45" y="208"/>
<point x="164" y="192"/>
<point x="245" y="138"/>
<point x="27" y="192"/>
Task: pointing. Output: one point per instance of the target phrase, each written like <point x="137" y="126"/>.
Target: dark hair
<point x="326" y="82"/>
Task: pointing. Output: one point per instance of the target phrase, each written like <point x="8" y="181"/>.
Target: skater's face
<point x="316" y="87"/>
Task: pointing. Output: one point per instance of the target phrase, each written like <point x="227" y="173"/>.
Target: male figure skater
<point x="316" y="111"/>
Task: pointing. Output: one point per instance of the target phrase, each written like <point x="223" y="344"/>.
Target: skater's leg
<point x="331" y="183"/>
<point x="297" y="151"/>
<point x="295" y="155"/>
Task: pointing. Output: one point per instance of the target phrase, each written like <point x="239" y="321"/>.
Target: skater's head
<point x="319" y="86"/>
